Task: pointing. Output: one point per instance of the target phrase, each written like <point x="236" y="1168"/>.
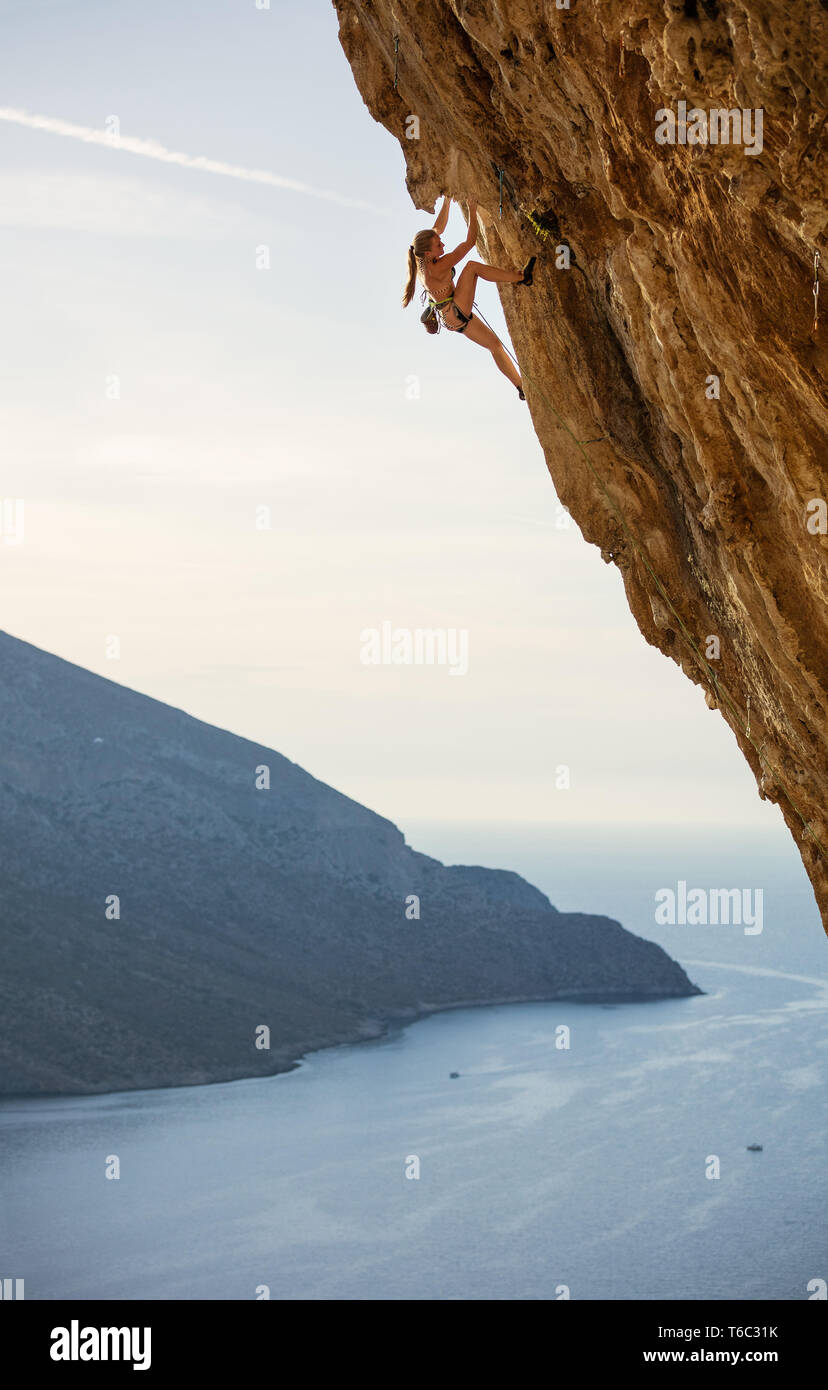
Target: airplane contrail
<point x="150" y="149"/>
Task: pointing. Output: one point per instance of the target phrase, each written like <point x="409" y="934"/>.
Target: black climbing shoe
<point x="520" y="393"/>
<point x="528" y="271"/>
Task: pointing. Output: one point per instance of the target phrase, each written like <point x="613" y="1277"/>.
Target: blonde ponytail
<point x="408" y="292"/>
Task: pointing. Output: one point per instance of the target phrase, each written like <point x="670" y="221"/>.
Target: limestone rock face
<point x="682" y="334"/>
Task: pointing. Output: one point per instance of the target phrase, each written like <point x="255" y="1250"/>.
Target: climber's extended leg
<point x="479" y="333"/>
<point x="476" y="270"/>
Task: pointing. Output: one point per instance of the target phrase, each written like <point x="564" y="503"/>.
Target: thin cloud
<point x="150" y="149"/>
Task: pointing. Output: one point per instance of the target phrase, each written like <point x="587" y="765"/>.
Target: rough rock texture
<point x="239" y="906"/>
<point x="688" y="261"/>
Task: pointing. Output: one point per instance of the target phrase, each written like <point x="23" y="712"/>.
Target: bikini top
<point x="435" y="303"/>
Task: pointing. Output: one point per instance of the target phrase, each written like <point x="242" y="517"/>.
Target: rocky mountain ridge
<point x="161" y="905"/>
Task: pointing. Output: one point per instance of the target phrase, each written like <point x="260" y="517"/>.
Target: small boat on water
<point x="453" y="1075"/>
<point x="754" y="1148"/>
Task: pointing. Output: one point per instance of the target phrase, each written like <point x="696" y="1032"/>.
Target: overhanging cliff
<point x="681" y="334"/>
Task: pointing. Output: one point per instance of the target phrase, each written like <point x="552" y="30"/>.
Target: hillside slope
<point x="239" y="906"/>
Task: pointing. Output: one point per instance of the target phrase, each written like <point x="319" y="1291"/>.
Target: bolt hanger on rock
<point x="504" y="184"/>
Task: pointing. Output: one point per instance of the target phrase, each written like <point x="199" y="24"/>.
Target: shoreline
<point x="372" y="1031"/>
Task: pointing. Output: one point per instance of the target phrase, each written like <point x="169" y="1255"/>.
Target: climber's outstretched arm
<point x="442" y="216"/>
<point x="452" y="257"/>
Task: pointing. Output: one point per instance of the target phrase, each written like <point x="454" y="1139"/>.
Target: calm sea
<point x="541" y="1168"/>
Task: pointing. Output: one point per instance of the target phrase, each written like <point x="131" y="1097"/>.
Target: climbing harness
<point x="434" y="305"/>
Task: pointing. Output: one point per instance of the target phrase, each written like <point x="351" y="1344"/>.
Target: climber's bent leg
<point x="493" y="272"/>
<point x="476" y="270"/>
<point x="479" y="333"/>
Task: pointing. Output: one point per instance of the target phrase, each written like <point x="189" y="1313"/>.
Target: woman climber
<point x="429" y="261"/>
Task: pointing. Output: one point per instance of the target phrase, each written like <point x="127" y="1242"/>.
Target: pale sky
<point x="402" y="475"/>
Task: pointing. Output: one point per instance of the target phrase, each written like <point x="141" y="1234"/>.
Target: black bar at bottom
<point x="220" y="1337"/>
